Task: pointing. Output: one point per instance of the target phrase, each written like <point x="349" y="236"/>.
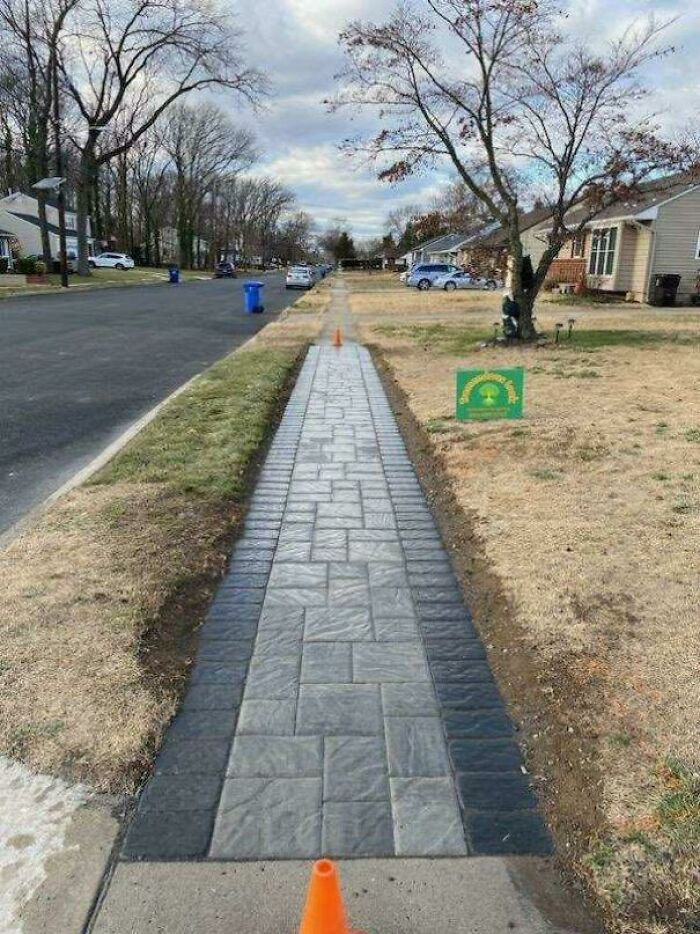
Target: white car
<point x="465" y="280"/>
<point x="299" y="277"/>
<point x="111" y="261"/>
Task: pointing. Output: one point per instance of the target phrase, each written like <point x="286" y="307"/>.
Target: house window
<point x="577" y="245"/>
<point x="697" y="248"/>
<point x="603" y="244"/>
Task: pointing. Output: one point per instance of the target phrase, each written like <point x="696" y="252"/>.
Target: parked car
<point x="299" y="277"/>
<point x="465" y="280"/>
<point x="225" y="270"/>
<point x="111" y="261"/>
<point x="423" y="275"/>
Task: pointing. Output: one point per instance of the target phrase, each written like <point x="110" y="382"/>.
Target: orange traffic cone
<point x="324" y="912"/>
<point x="337" y="339"/>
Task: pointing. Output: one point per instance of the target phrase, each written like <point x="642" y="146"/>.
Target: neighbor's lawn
<point x="101" y="278"/>
<point x="585" y="518"/>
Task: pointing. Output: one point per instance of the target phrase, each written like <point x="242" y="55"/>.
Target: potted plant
<point x="35" y="271"/>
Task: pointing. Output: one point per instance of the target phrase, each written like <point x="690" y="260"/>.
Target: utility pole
<point x="60" y="198"/>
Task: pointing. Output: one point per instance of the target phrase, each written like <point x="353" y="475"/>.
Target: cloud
<point x="295" y="42"/>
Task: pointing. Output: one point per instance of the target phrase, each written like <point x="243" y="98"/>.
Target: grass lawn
<point x="577" y="533"/>
<point x="104" y="592"/>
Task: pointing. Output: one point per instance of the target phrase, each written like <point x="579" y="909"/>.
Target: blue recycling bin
<point x="253" y="303"/>
<point x="174" y="275"/>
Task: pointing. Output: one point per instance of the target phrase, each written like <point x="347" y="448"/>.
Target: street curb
<point x="95" y="464"/>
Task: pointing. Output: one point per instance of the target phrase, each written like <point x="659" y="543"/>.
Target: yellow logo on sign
<point x="489" y="393"/>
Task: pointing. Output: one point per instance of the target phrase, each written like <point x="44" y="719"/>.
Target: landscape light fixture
<point x="49" y="184"/>
<point x="558" y="326"/>
<point x="572" y="322"/>
<point x="496" y="325"/>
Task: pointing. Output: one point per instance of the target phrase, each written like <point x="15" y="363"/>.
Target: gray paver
<point x="273" y="678"/>
<point x="326" y="663"/>
<point x="416" y="747"/>
<point x="355" y="769"/>
<point x="276" y="757"/>
<point x="395" y="661"/>
<point x="268" y="819"/>
<point x="409" y="700"/>
<point x="298" y="575"/>
<point x="339" y="624"/>
<point x="357" y="828"/>
<point x="339" y="709"/>
<point x="267" y="717"/>
<point x="427" y="820"/>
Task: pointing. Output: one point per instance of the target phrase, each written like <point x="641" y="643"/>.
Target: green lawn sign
<point x="487" y="394"/>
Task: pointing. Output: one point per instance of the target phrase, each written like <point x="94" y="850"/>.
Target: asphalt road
<point x="77" y="369"/>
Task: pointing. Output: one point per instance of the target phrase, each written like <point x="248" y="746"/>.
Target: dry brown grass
<point x="84" y="589"/>
<point x="589" y="511"/>
<point x="103" y="593"/>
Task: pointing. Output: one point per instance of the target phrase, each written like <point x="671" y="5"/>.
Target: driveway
<point x="76" y="370"/>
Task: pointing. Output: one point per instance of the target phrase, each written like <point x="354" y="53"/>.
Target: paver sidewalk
<point x="341" y="703"/>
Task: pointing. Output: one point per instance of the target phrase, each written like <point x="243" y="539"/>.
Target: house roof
<point x="50" y="199"/>
<point x="53" y="228"/>
<point x="495" y="235"/>
<point x="425" y="244"/>
<point x="647" y="197"/>
<point x="6" y="233"/>
<point x="447" y="243"/>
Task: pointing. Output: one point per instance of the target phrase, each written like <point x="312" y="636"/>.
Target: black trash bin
<point x="665" y="289"/>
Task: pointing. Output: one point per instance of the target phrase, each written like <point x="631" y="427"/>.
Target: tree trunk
<point x="524" y="297"/>
<point x="98" y="226"/>
<point x="85" y="177"/>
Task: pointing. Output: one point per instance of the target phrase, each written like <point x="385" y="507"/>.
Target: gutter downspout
<point x="651" y="262"/>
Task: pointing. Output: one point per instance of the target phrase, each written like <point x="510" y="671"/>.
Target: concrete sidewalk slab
<point x="55" y="842"/>
<point x="383" y="896"/>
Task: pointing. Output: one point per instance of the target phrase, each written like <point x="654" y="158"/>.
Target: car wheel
<point x="119" y="266"/>
<point x="92" y="265"/>
<point x="490" y="285"/>
<point x="424" y="285"/>
<point x="450" y="286"/>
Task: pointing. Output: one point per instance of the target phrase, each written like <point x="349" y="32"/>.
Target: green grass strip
<point x="202" y="442"/>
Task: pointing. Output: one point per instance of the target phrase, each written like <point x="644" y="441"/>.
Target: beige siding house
<point x="629" y="243"/>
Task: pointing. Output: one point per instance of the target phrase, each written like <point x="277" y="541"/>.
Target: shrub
<point x="26" y="265"/>
<point x="40" y="267"/>
<point x="4" y="265"/>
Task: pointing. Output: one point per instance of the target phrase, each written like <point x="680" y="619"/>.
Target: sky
<point x="295" y="43"/>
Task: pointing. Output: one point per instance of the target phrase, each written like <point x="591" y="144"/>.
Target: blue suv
<point x="423" y="275"/>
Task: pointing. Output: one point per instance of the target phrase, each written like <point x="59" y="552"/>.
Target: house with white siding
<point x="19" y="216"/>
<point x="6" y="242"/>
<point x="631" y="242"/>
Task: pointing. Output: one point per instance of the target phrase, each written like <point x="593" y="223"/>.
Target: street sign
<point x="487" y="394"/>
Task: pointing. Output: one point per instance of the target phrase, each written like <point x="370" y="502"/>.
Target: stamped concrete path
<point x="341" y="703"/>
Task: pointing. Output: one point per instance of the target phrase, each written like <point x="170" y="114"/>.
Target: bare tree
<point x="34" y="28"/>
<point x="152" y="53"/>
<point x="495" y="88"/>
<point x="293" y="239"/>
<point x="203" y="145"/>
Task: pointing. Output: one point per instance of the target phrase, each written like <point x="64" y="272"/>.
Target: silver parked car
<point x="299" y="277"/>
<point x="465" y="280"/>
<point x="424" y="275"/>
